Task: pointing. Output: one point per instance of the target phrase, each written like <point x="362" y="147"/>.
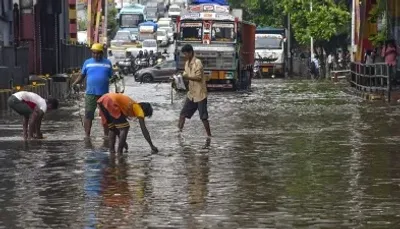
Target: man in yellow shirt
<point x="115" y="108"/>
<point x="197" y="95"/>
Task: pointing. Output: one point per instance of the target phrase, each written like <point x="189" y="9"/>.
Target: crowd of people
<point x="115" y="109"/>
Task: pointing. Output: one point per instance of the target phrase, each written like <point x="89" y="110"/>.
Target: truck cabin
<point x="270" y="38"/>
<point x="269" y="41"/>
<point x="207" y="31"/>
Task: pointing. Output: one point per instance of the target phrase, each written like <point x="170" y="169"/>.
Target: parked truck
<point x="222" y="40"/>
<point x="270" y="52"/>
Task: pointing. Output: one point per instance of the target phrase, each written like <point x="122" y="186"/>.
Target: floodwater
<point x="290" y="154"/>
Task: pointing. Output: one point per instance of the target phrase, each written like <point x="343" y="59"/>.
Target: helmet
<point x="141" y="52"/>
<point x="151" y="52"/>
<point x="97" y="47"/>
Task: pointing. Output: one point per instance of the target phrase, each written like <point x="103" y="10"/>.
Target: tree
<point x="112" y="24"/>
<point x="261" y="12"/>
<point x="328" y="19"/>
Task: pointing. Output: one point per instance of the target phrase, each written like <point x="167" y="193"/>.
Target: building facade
<point x="6" y="30"/>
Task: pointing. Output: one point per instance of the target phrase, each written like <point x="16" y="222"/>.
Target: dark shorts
<point x="90" y="105"/>
<point x="190" y="108"/>
<point x="18" y="106"/>
<point x="114" y="123"/>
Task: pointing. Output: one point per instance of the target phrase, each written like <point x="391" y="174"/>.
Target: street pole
<point x="353" y="30"/>
<point x="105" y="31"/>
<point x="312" y="39"/>
<point x="289" y="45"/>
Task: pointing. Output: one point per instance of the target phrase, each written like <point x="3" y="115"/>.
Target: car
<point x="161" y="72"/>
<point x="174" y="11"/>
<point x="150" y="45"/>
<point x="165" y="23"/>
<point x="162" y="37"/>
<point x="170" y="33"/>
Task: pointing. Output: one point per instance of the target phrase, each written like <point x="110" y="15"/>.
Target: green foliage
<point x="261" y="12"/>
<point x="82" y="24"/>
<point x="327" y="19"/>
<point x="112" y="25"/>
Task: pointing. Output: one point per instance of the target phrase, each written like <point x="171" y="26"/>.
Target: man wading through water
<point x="98" y="71"/>
<point x="197" y="94"/>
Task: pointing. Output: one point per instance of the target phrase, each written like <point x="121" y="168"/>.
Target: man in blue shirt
<point x="98" y="71"/>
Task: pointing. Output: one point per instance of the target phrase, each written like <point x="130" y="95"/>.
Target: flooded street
<point x="290" y="154"/>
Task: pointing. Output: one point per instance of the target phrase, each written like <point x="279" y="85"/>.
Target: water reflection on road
<point x="290" y="154"/>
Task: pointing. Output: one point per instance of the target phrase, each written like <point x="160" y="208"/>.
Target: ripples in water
<point x="290" y="154"/>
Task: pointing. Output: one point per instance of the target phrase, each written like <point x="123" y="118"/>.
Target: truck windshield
<point x="131" y="20"/>
<point x="223" y="32"/>
<point x="122" y="36"/>
<point x="191" y="31"/>
<point x="268" y="43"/>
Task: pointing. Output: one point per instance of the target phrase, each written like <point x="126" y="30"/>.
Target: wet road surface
<point x="290" y="154"/>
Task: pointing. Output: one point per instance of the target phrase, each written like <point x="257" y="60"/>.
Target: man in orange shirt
<point x="115" y="108"/>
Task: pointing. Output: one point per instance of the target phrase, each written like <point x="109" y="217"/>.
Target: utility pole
<point x="353" y="30"/>
<point x="312" y="39"/>
<point x="105" y="31"/>
<point x="289" y="45"/>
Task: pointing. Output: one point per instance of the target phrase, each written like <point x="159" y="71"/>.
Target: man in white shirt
<point x="32" y="107"/>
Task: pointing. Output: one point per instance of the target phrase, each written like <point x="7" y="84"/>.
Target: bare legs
<point x="122" y="134"/>
<point x="88" y="127"/>
<point x="206" y="124"/>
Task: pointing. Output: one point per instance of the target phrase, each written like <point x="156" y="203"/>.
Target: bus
<point x="131" y="16"/>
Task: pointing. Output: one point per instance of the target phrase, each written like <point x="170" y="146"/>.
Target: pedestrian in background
<point x="97" y="71"/>
<point x="197" y="94"/>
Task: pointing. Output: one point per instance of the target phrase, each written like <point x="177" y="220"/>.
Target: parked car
<point x="159" y="73"/>
<point x="162" y="37"/>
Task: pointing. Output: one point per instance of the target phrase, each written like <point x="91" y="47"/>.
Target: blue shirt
<point x="98" y="74"/>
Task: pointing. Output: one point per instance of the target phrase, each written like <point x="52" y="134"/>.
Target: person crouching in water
<point x="114" y="109"/>
<point x="32" y="107"/>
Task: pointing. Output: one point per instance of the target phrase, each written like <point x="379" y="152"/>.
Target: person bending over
<point x="32" y="107"/>
<point x="115" y="109"/>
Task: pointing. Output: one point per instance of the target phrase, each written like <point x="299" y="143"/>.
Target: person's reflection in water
<point x="95" y="164"/>
<point x="198" y="172"/>
<point x="116" y="196"/>
<point x="88" y="143"/>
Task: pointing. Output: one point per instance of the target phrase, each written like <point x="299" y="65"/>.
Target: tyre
<point x="147" y="78"/>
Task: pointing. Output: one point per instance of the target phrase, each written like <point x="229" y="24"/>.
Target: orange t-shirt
<point x="116" y="103"/>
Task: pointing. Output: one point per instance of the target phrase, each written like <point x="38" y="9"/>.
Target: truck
<point x="221" y="40"/>
<point x="270" y="53"/>
<point x="131" y="16"/>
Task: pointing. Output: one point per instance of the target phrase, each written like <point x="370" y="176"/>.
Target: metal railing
<point x="14" y="62"/>
<point x="375" y="78"/>
<point x="72" y="56"/>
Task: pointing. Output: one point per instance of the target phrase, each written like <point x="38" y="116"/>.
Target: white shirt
<point x="316" y="62"/>
<point x="33" y="98"/>
<point x="330" y="59"/>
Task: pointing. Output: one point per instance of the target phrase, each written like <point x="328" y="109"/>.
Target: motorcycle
<point x="118" y="81"/>
<point x="142" y="63"/>
<point x="127" y="66"/>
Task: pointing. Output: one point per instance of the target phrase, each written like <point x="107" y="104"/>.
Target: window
<point x="122" y="36"/>
<point x="191" y="31"/>
<point x="177" y="10"/>
<point x="223" y="32"/>
<point x="168" y="64"/>
<point x="161" y="33"/>
<point x="150" y="43"/>
<point x="268" y="43"/>
<point x="131" y="20"/>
